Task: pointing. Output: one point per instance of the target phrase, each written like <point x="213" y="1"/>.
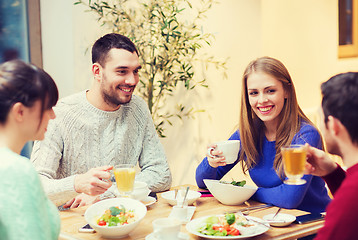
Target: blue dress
<point x="311" y="197"/>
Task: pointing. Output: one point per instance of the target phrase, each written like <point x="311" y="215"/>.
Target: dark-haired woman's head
<point x="26" y="84"/>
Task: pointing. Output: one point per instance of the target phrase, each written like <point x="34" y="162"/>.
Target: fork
<point x="246" y="211"/>
<point x="258" y="222"/>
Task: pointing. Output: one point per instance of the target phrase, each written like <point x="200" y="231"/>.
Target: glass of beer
<point x="294" y="160"/>
<point x="124" y="175"/>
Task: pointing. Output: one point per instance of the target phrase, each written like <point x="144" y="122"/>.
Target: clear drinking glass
<point x="294" y="160"/>
<point x="124" y="175"/>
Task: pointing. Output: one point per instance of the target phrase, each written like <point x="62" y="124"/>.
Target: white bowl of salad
<point x="230" y="193"/>
<point x="116" y="217"/>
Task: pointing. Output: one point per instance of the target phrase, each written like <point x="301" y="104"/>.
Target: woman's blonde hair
<point x="252" y="128"/>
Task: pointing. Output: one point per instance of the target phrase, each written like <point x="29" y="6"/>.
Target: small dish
<point x="281" y="219"/>
<point x="181" y="236"/>
<point x="148" y="201"/>
<point x="191" y="197"/>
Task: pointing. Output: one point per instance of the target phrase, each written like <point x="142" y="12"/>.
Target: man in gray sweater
<point x="99" y="128"/>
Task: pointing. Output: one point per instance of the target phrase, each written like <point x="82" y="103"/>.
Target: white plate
<point x="193" y="225"/>
<point x="148" y="201"/>
<point x="280" y="220"/>
<point x="182" y="236"/>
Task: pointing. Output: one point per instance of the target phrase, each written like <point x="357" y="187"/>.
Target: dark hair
<point x="25" y="83"/>
<point x="104" y="44"/>
<point x="340" y="100"/>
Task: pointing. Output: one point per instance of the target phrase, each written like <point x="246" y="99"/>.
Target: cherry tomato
<point x="218" y="228"/>
<point x="233" y="232"/>
<point x="102" y="223"/>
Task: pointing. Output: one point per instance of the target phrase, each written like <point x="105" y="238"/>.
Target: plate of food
<point x="227" y="226"/>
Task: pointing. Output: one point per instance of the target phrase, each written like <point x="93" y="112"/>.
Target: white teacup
<point x="166" y="228"/>
<point x="180" y="213"/>
<point x="230" y="149"/>
<point x="140" y="190"/>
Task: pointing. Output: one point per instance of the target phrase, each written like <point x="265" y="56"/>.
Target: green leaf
<point x="230" y="218"/>
<point x="115" y="210"/>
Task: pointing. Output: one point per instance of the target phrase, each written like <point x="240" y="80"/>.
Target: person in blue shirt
<point x="270" y="118"/>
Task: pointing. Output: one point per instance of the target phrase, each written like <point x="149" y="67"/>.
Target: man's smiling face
<point x="119" y="77"/>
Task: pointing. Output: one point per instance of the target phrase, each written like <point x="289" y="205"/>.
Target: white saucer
<point x="182" y="236"/>
<point x="148" y="201"/>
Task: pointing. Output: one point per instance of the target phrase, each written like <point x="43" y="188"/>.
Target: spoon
<point x="175" y="193"/>
<point x="186" y="194"/>
<point x="276" y="213"/>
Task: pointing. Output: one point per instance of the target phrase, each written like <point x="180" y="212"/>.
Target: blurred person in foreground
<point x="340" y="131"/>
<point x="27" y="95"/>
<point x="270" y="118"/>
<point x="98" y="128"/>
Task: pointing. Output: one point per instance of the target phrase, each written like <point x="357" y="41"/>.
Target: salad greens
<point x="221" y="225"/>
<point x="240" y="183"/>
<point x="236" y="183"/>
<point x="115" y="216"/>
<point x="115" y="210"/>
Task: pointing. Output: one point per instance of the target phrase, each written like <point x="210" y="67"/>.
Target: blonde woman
<point x="270" y="118"/>
<point x="27" y="95"/>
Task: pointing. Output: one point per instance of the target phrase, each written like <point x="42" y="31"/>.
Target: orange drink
<point x="294" y="160"/>
<point x="125" y="175"/>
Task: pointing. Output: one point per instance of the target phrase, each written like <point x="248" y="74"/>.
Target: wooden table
<point x="72" y="220"/>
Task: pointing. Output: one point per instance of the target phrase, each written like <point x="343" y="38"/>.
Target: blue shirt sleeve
<point x="205" y="171"/>
<point x="280" y="194"/>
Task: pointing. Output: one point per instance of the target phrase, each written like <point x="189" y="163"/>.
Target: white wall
<point x="57" y="43"/>
<point x="304" y="35"/>
<point x="301" y="33"/>
<point x="238" y="40"/>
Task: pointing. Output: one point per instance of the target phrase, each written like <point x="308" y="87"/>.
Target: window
<point x="20" y="31"/>
<point x="33" y="11"/>
<point x="20" y="36"/>
<point x="348" y="28"/>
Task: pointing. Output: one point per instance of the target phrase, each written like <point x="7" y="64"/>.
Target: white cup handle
<point x="209" y="152"/>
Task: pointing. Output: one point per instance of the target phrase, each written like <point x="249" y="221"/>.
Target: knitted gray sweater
<point x="82" y="137"/>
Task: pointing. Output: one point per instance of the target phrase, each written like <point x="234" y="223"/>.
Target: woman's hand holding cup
<point x="215" y="157"/>
<point x="222" y="153"/>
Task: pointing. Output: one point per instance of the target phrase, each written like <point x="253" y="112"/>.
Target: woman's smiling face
<point x="266" y="97"/>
